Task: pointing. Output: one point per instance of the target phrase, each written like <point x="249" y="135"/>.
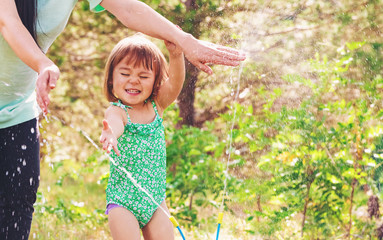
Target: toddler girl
<point x="140" y="85"/>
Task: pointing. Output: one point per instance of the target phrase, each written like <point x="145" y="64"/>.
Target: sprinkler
<point x="219" y="221"/>
<point x="176" y="225"/>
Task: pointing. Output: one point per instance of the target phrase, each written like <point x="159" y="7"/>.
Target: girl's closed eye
<point x="125" y="74"/>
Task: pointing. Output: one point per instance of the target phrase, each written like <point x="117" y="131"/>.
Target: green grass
<point x="71" y="204"/>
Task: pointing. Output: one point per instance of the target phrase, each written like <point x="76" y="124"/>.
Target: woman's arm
<point x="170" y="89"/>
<point x="25" y="47"/>
<point x="140" y="17"/>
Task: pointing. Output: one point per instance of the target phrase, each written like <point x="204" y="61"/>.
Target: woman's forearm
<point x="140" y="17"/>
<point x="19" y="39"/>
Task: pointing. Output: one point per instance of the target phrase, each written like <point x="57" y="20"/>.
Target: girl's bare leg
<point x="159" y="227"/>
<point x="123" y="224"/>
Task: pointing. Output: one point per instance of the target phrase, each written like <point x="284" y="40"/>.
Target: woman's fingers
<point x="52" y="81"/>
<point x="225" y="57"/>
<point x="46" y="81"/>
<point x="222" y="60"/>
<point x="200" y="53"/>
<point x="42" y="91"/>
<point x="231" y="53"/>
<point x="203" y="67"/>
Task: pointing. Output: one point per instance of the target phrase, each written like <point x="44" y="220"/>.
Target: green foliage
<point x="195" y="175"/>
<point x="311" y="161"/>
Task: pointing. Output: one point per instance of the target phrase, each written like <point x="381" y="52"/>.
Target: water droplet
<point x="32" y="130"/>
<point x="23" y="147"/>
<point x="31" y="181"/>
<point x="18" y="169"/>
<point x="24" y="163"/>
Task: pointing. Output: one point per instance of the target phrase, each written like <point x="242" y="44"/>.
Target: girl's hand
<point x="173" y="49"/>
<point x="200" y="53"/>
<point x="108" y="139"/>
<point x="46" y="81"/>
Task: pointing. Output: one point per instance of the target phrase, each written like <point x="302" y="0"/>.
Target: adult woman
<point x="28" y="28"/>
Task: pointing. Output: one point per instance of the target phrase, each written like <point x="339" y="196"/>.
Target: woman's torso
<point x="17" y="80"/>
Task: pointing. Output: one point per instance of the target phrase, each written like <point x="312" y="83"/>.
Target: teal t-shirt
<point x="18" y="81"/>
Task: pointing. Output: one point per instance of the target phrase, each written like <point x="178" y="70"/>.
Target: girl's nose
<point x="134" y="79"/>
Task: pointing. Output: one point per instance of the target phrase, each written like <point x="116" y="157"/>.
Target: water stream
<point x="128" y="174"/>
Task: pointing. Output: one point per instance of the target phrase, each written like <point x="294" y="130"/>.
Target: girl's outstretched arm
<point x="140" y="17"/>
<point x="171" y="88"/>
<point x="25" y="47"/>
<point x="113" y="128"/>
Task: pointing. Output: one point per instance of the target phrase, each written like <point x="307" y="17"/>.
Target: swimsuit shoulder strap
<point x="155" y="108"/>
<point x="121" y="105"/>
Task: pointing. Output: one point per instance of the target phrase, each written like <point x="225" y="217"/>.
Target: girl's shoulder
<point x="115" y="111"/>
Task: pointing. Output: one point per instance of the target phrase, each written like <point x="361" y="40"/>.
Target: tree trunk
<point x="259" y="205"/>
<point x="187" y="96"/>
<point x="190" y="4"/>
<point x="350" y="210"/>
<point x="305" y="207"/>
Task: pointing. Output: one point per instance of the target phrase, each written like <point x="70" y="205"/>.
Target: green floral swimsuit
<point x="143" y="154"/>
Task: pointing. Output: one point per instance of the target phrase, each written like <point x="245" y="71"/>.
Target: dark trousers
<point x="19" y="178"/>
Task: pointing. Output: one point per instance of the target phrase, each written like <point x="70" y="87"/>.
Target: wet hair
<point x="27" y="10"/>
<point x="138" y="51"/>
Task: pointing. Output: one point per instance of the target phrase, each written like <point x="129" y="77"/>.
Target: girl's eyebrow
<point x="129" y="69"/>
<point x="125" y="68"/>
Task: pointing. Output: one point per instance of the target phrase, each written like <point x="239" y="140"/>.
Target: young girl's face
<point x="132" y="84"/>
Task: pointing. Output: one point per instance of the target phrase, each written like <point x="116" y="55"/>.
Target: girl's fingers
<point x="105" y="145"/>
<point x="105" y="125"/>
<point x="109" y="148"/>
<point x="116" y="150"/>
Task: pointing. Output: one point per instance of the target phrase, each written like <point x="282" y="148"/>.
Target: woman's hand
<point x="108" y="139"/>
<point x="46" y="81"/>
<point x="201" y="53"/>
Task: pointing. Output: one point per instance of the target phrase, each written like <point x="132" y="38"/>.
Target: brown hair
<point x="138" y="51"/>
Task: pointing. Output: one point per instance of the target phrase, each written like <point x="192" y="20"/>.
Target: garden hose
<point x="176" y="225"/>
